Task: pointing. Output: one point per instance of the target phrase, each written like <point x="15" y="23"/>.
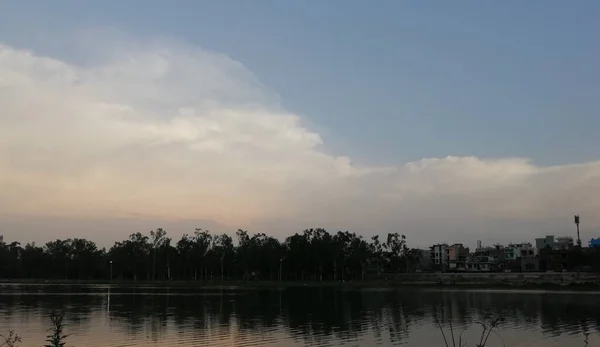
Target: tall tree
<point x="157" y="239"/>
<point x="395" y="247"/>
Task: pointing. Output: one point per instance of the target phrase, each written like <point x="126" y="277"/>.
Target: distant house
<point x="530" y="265"/>
<point x="518" y="251"/>
<point x="554" y="243"/>
<point x="594" y="243"/>
<point x="564" y="242"/>
<point x="554" y="259"/>
<point x="439" y="256"/>
<point x="457" y="257"/>
<point x="514" y="254"/>
<point x="545" y="242"/>
<point x="486" y="259"/>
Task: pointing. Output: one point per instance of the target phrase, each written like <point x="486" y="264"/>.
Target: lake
<point x="300" y="316"/>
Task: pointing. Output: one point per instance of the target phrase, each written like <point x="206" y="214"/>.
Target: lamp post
<point x="280" y="268"/>
<point x="111" y="262"/>
<point x="576" y="218"/>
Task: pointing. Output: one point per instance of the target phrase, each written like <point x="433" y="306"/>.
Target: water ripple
<point x="158" y="316"/>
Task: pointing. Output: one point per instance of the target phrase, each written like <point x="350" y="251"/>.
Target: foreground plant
<point x="10" y="340"/>
<point x="487" y="324"/>
<point x="57" y="338"/>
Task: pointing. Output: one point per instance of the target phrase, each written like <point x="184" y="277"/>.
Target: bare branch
<point x="10" y="340"/>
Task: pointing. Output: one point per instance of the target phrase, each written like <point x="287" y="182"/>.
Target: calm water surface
<point x="151" y="316"/>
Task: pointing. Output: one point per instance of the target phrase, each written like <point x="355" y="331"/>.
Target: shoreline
<point x="366" y="284"/>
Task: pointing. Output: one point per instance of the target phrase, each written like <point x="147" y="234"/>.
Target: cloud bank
<point x="167" y="132"/>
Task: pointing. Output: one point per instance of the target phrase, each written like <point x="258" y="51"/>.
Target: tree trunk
<point x="168" y="270"/>
<point x="362" y="272"/>
<point x="221" y="269"/>
<point x="334" y="269"/>
<point x="154" y="264"/>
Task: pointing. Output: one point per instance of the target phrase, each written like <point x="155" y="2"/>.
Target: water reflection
<point x="297" y="316"/>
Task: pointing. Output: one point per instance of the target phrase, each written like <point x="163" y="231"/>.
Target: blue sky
<point x="387" y="81"/>
<point x="411" y="116"/>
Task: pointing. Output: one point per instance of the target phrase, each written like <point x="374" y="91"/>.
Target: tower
<point x="577" y="224"/>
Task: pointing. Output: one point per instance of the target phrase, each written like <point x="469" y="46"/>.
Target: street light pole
<point x="280" y="268"/>
<point x="111" y="262"/>
<point x="577" y="224"/>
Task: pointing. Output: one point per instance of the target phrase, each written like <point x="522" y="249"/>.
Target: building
<point x="515" y="255"/>
<point x="517" y="251"/>
<point x="554" y="243"/>
<point x="527" y="250"/>
<point x="554" y="259"/>
<point x="457" y="257"/>
<point x="486" y="259"/>
<point x="594" y="243"/>
<point x="530" y="264"/>
<point x="544" y="242"/>
<point x="439" y="256"/>
<point x="564" y="242"/>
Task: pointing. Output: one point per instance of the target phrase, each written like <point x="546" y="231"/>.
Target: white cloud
<point x="166" y="131"/>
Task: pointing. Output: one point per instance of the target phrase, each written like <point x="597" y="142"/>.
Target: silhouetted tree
<point x="158" y="239"/>
<point x="312" y="255"/>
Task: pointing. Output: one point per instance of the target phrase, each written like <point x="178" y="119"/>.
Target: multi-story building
<point x="563" y="242"/>
<point x="544" y="242"/>
<point x="457" y="257"/>
<point x="515" y="256"/>
<point x="439" y="256"/>
<point x="554" y="243"/>
<point x="486" y="259"/>
<point x="554" y="256"/>
<point x="527" y="250"/>
<point x="518" y="251"/>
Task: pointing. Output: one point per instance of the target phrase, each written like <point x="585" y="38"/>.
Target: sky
<point x="444" y="121"/>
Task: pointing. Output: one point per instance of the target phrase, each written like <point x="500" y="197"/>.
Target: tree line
<point x="314" y="254"/>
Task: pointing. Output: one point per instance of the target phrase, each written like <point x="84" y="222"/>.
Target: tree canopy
<point x="314" y="254"/>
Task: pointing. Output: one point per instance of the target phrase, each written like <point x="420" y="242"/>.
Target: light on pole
<point x="111" y="262"/>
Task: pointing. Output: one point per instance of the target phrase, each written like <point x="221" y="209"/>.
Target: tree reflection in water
<point x="304" y="315"/>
